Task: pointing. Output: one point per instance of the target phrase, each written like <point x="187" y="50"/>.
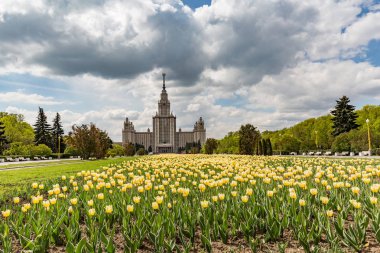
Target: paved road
<point x="36" y="164"/>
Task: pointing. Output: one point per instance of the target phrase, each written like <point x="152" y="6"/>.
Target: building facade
<point x="164" y="137"/>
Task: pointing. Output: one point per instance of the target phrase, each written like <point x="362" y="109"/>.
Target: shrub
<point x="40" y="150"/>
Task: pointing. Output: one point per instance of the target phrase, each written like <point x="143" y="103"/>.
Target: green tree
<point x="42" y="129"/>
<point x="229" y="144"/>
<point x="269" y="147"/>
<point x="141" y="151"/>
<point x="18" y="148"/>
<point x="89" y="140"/>
<point x="248" y="135"/>
<point x="57" y="132"/>
<point x="16" y="129"/>
<point x="344" y="116"/>
<point x="71" y="151"/>
<point x="116" y="150"/>
<point x="264" y="145"/>
<point x="129" y="149"/>
<point x="290" y="143"/>
<point x="211" y="145"/>
<point x="342" y="143"/>
<point x="3" y="138"/>
<point x="40" y="150"/>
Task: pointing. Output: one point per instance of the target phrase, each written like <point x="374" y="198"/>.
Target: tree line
<point x="246" y="141"/>
<point x="18" y="138"/>
<point x="344" y="129"/>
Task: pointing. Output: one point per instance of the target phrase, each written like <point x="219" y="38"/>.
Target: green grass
<point x="16" y="180"/>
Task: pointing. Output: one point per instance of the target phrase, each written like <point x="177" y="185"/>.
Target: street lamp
<point x="280" y="144"/>
<point x="369" y="137"/>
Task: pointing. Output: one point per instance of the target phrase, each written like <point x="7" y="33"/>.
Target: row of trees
<point x="49" y="135"/>
<point x="345" y="129"/>
<point x="246" y="141"/>
<point x="17" y="137"/>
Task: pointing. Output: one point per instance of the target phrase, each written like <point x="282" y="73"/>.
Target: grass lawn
<point x="37" y="164"/>
<point x="17" y="179"/>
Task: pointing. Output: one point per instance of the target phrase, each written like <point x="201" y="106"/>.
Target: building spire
<point x="163" y="81"/>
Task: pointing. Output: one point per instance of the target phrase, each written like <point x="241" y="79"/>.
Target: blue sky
<point x="196" y="3"/>
<point x="268" y="63"/>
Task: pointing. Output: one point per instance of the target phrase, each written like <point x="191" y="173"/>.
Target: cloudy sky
<point x="265" y="62"/>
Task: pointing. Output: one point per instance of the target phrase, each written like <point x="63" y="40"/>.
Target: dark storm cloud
<point x="176" y="49"/>
<point x="266" y="39"/>
<point x="259" y="40"/>
<point x="24" y="28"/>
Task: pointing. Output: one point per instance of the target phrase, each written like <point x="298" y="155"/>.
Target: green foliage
<point x="40" y="150"/>
<point x="290" y="143"/>
<point x="229" y="144"/>
<point x="248" y="136"/>
<point x="16" y="129"/>
<point x="344" y="117"/>
<point x="72" y="151"/>
<point x="89" y="140"/>
<point x="57" y="135"/>
<point x="116" y="150"/>
<point x="3" y="138"/>
<point x="210" y="145"/>
<point x="18" y="148"/>
<point x="129" y="149"/>
<point x="141" y="151"/>
<point x="341" y="143"/>
<point x="42" y="129"/>
<point x="318" y="132"/>
<point x="269" y="147"/>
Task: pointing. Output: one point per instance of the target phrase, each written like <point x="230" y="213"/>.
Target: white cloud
<point x="20" y="97"/>
<point x="269" y="63"/>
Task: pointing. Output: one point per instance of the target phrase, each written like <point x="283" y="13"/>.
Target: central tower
<point x="164" y="125"/>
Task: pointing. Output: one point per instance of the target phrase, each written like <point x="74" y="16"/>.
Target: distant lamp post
<point x="369" y="137"/>
<point x="280" y="144"/>
<point x="316" y="138"/>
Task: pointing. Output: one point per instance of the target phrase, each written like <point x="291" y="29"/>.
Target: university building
<point x="164" y="137"/>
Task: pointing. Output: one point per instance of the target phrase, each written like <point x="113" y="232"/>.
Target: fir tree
<point x="269" y="146"/>
<point x="42" y="129"/>
<point x="264" y="144"/>
<point x="57" y="135"/>
<point x="3" y="138"/>
<point x="344" y="117"/>
<point x="260" y="148"/>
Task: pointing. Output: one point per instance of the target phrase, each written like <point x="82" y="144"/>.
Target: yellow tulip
<point x="244" y="199"/>
<point x="313" y="191"/>
<point x="16" y="200"/>
<point x="130" y="208"/>
<point x="329" y="213"/>
<point x="109" y="209"/>
<point x="91" y="212"/>
<point x="204" y="204"/>
<point x="155" y="205"/>
<point x="74" y="201"/>
<point x="6" y="213"/>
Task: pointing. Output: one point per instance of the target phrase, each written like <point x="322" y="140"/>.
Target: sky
<point x="268" y="63"/>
